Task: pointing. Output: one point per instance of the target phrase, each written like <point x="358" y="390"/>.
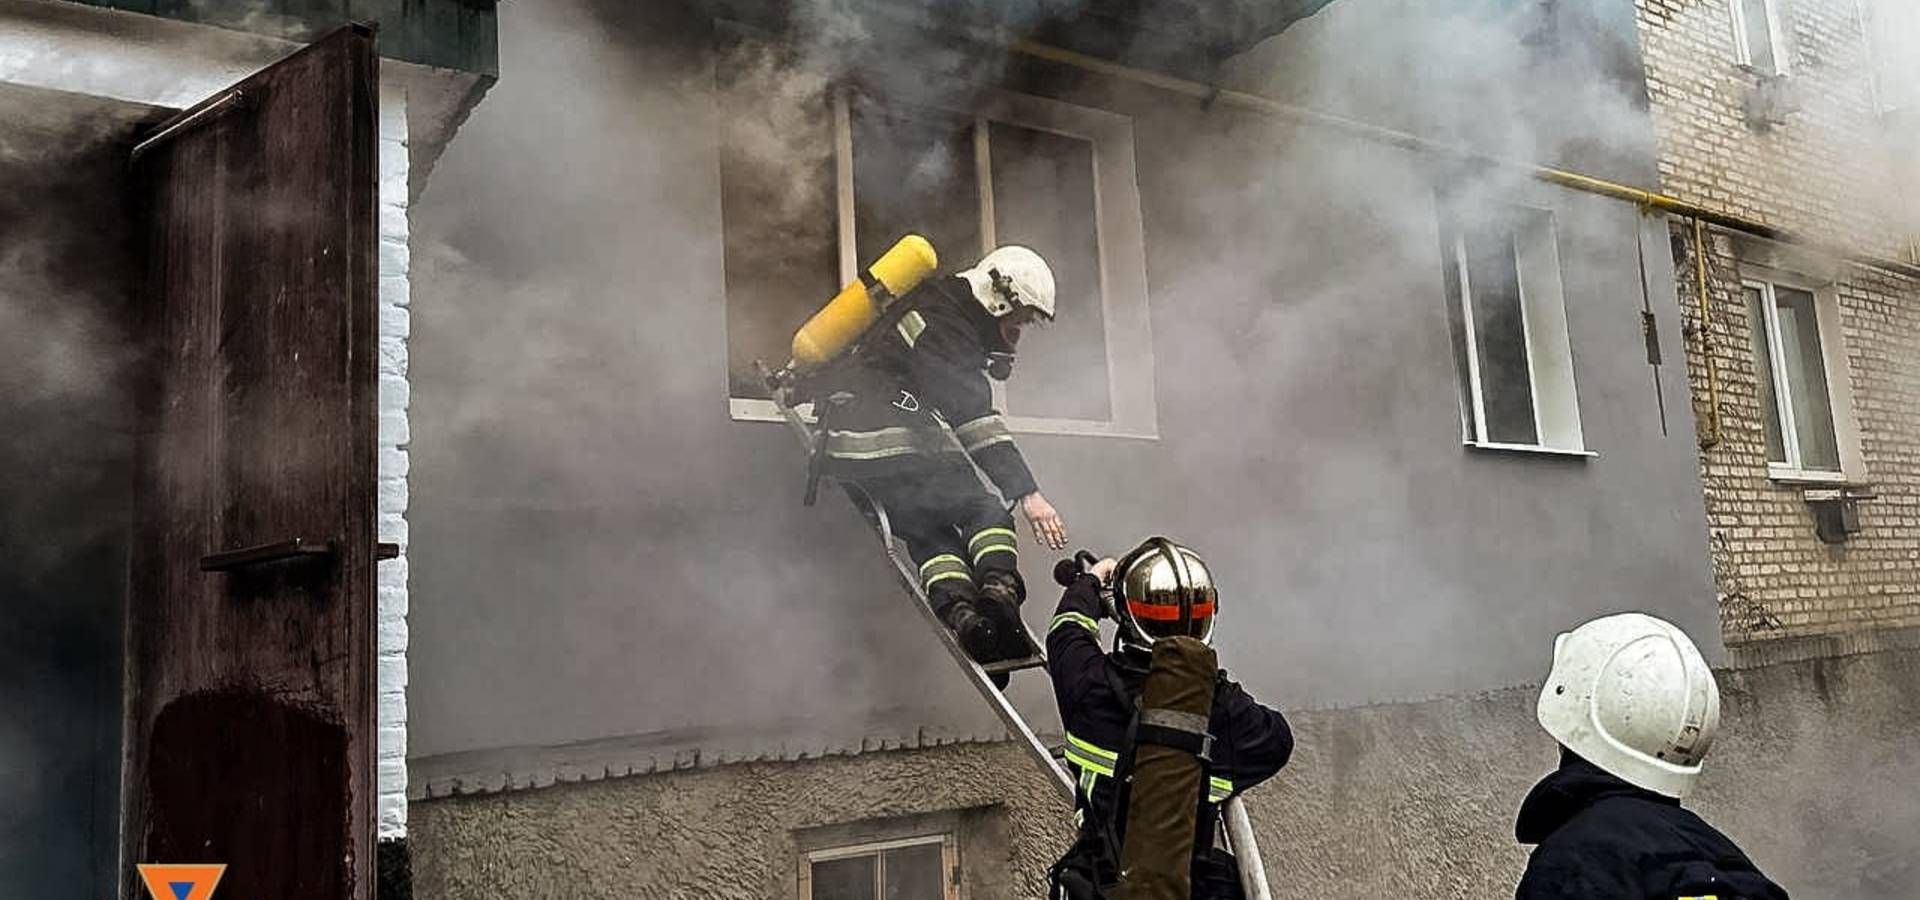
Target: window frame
<point x="1119" y="233"/>
<point x="1743" y="49"/>
<point x="949" y="860"/>
<point x="1544" y="327"/>
<point x="1833" y="363"/>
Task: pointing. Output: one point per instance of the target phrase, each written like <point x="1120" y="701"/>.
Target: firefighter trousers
<point x="957" y="533"/>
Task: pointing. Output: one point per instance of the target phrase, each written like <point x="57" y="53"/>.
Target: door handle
<point x="262" y="554"/>
<point x="298" y="548"/>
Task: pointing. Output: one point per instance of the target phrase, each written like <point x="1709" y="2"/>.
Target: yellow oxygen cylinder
<point x="848" y="315"/>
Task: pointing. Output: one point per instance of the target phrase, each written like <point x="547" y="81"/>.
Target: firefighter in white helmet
<point x="1635" y="708"/>
<point x="927" y="364"/>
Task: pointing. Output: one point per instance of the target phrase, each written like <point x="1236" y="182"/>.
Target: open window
<point x="1507" y="311"/>
<point x="1801" y="377"/>
<point x="1757" y="37"/>
<point x="818" y="179"/>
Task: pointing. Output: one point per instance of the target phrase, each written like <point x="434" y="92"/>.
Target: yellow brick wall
<point x="1823" y="174"/>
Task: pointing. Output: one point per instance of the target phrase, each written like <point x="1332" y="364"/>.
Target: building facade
<point x="1804" y="355"/>
<point x="1397" y="395"/>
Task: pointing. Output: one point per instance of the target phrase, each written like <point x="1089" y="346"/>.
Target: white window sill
<point x="1534" y="449"/>
<point x="1785" y="475"/>
<point x="1077" y="428"/>
<point x="747" y="410"/>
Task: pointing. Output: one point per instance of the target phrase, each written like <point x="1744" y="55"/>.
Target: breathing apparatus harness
<point x="893" y="310"/>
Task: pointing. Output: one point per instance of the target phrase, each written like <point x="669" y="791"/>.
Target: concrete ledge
<point x="1812" y="775"/>
<point x="527" y="767"/>
<point x="522" y="768"/>
<point x="1778" y="651"/>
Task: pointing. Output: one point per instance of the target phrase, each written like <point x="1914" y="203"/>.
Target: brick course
<point x="1823" y="175"/>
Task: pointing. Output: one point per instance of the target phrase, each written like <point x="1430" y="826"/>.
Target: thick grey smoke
<point x="599" y="550"/>
<point x="1893" y="35"/>
<point x="555" y="372"/>
<point x="577" y="483"/>
<point x="67" y="283"/>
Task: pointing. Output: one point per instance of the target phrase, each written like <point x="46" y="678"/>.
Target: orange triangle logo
<point x="194" y="882"/>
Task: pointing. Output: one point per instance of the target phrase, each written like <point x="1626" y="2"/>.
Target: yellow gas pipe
<point x="1712" y="437"/>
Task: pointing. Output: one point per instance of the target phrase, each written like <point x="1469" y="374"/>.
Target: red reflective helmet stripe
<point x="1166" y="613"/>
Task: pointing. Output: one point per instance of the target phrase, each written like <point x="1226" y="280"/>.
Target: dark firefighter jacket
<point x="1250" y="741"/>
<point x="929" y="367"/>
<point x="1601" y="838"/>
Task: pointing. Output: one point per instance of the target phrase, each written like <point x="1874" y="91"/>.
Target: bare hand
<point x="1045" y="521"/>
<point x="1103" y="569"/>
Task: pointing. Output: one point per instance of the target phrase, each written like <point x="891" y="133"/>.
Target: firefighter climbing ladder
<point x="1253" y="874"/>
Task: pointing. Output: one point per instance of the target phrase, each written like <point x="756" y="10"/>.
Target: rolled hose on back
<point x="1169" y="775"/>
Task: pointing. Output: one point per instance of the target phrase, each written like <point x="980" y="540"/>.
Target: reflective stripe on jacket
<point x="916" y="394"/>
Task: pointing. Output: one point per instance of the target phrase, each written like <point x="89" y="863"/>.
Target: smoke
<point x="1893" y="37"/>
<point x="64" y="299"/>
<point x="646" y="202"/>
<point x="67" y="280"/>
<point x="555" y="368"/>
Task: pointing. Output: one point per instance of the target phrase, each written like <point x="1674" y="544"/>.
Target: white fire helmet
<point x="1009" y="277"/>
<point x="1631" y="694"/>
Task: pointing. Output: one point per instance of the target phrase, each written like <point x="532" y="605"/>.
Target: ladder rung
<point x="1014" y="665"/>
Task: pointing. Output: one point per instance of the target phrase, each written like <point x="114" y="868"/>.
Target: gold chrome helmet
<point x="1162" y="589"/>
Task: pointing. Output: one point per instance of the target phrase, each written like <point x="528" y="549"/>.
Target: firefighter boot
<point x="1001" y="593"/>
<point x="956" y="606"/>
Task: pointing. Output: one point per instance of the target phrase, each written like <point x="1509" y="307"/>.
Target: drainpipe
<point x="1213" y="94"/>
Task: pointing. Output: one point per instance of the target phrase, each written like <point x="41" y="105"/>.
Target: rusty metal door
<point x="250" y="644"/>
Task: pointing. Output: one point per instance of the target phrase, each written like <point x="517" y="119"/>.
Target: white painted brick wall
<point x="391" y="680"/>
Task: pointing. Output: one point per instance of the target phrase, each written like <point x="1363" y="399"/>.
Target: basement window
<point x="1792" y="354"/>
<point x="1757" y="40"/>
<point x="817" y="183"/>
<point x="915" y="868"/>
<point x="1507" y="312"/>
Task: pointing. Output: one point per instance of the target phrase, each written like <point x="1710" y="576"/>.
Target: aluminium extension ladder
<point x="1239" y="835"/>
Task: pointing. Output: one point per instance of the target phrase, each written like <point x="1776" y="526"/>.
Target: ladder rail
<point x="976" y="674"/>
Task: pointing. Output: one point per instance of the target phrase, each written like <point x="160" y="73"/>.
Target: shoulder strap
<point x="824" y="408"/>
<point x="889" y="317"/>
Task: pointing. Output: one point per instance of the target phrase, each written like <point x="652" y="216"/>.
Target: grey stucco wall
<point x="1813" y="775"/>
<point x="598" y="550"/>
